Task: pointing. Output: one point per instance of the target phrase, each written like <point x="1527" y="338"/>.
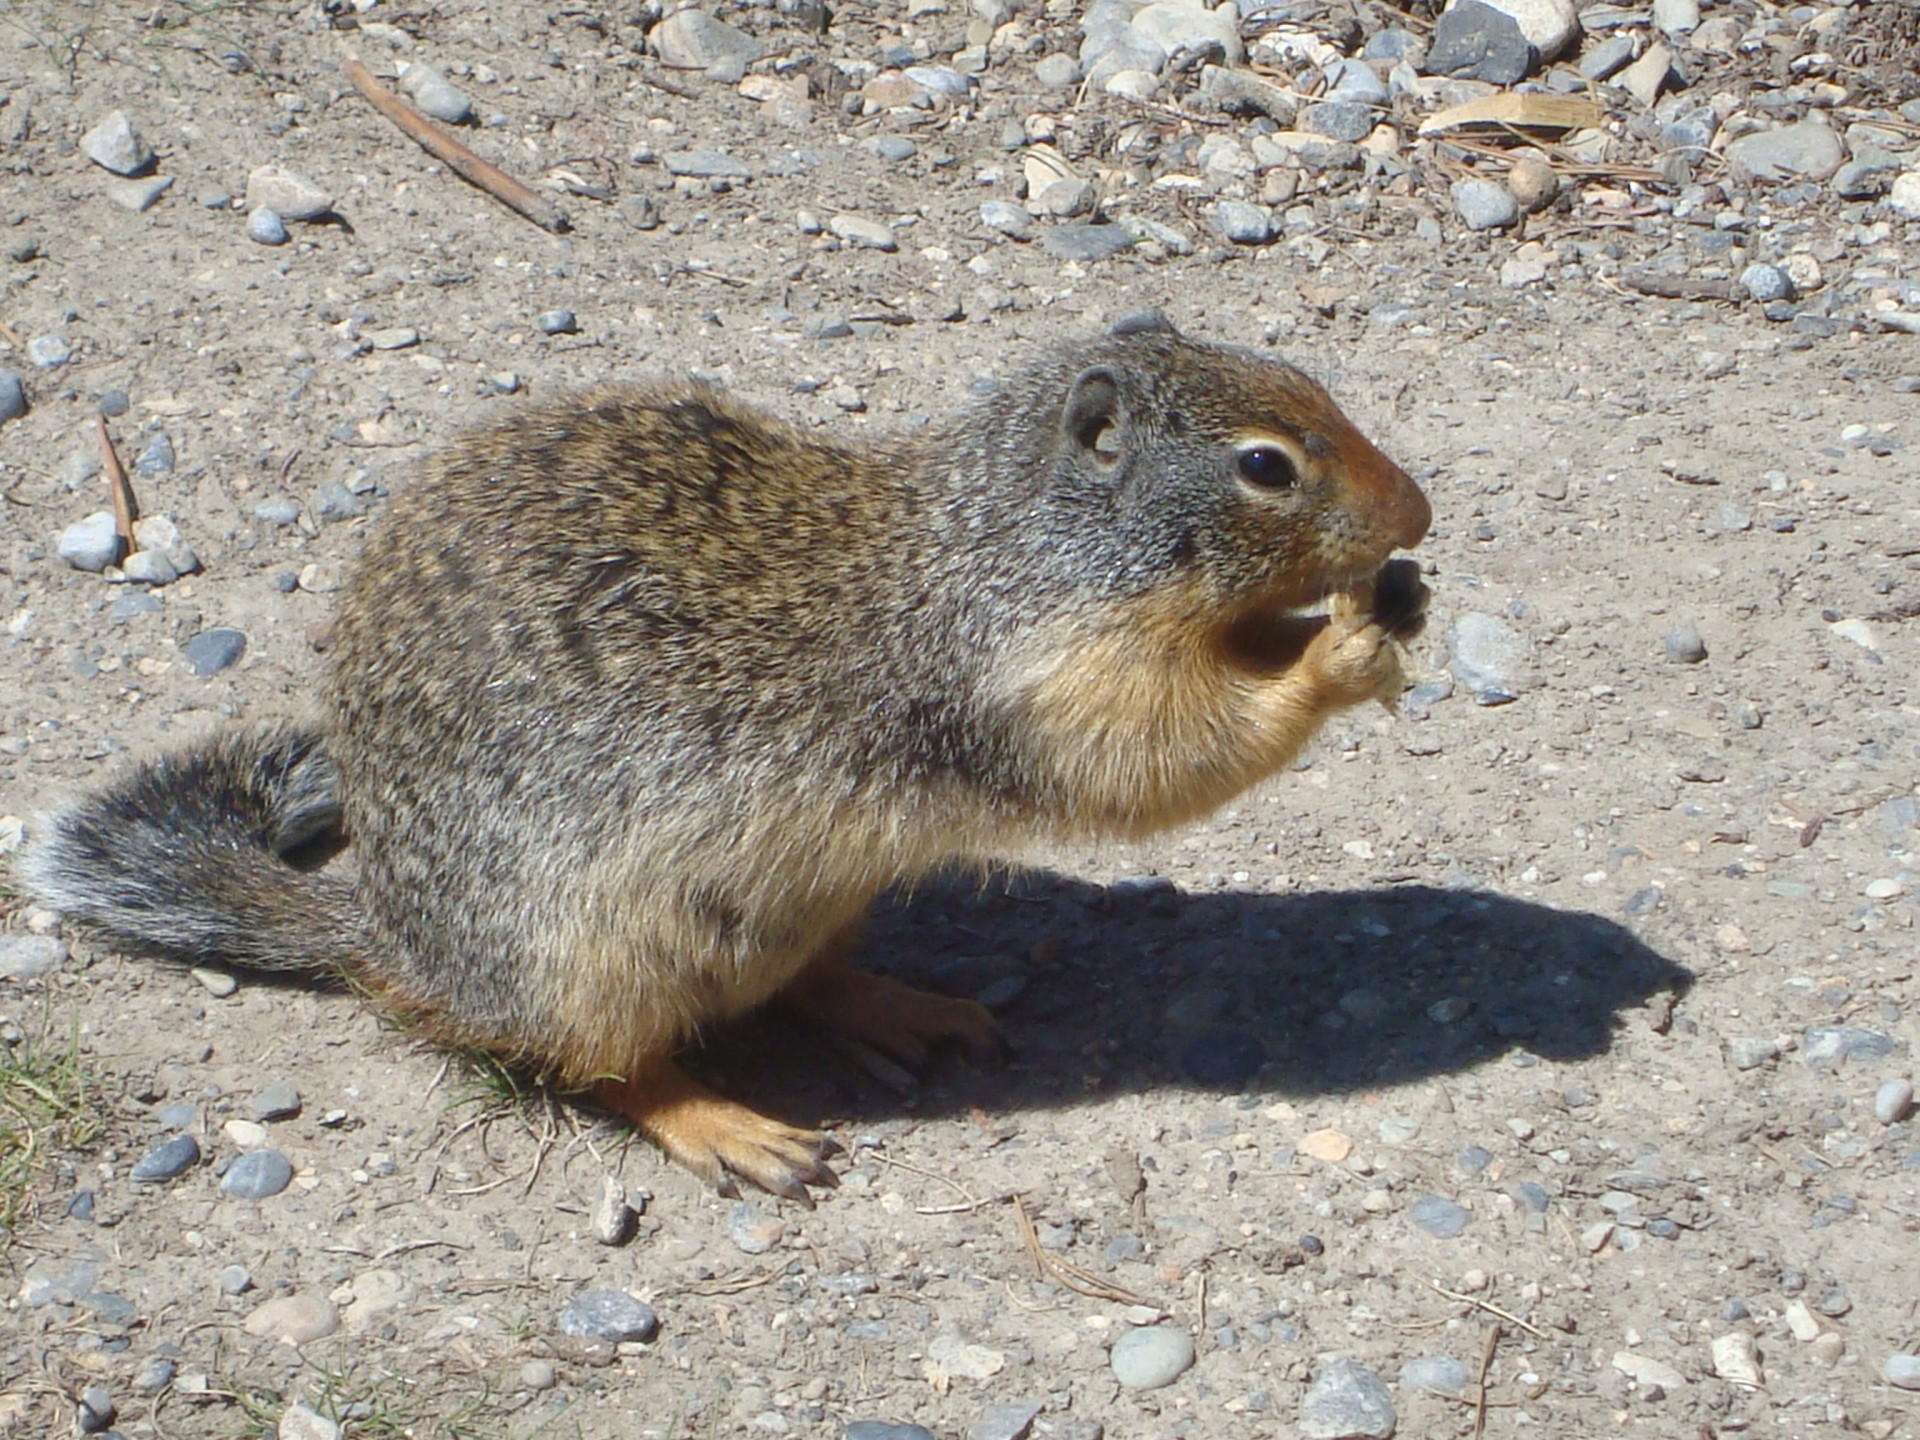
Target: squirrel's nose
<point x="1396" y="503"/>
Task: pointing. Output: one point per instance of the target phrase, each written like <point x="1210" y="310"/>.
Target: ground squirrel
<point x="639" y="698"/>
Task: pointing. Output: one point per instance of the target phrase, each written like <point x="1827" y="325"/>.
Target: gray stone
<point x="212" y="651"/>
<point x="1355" y="82"/>
<point x="91" y="544"/>
<point x="1893" y="1101"/>
<point x="295" y="1319"/>
<point x="538" y="1375"/>
<point x="153" y="1376"/>
<point x="49" y="352"/>
<point x="165" y="1160"/>
<point x="1057" y="72"/>
<point x="115" y="145"/>
<point x="436" y="95"/>
<point x="1347" y="1401"/>
<point x="1766" y="282"/>
<point x="1684" y="645"/>
<point x="235" y="1280"/>
<point x="1007" y="218"/>
<point x="156" y="456"/>
<point x="28" y="957"/>
<point x="613" y="1217"/>
<point x="1490" y="659"/>
<point x="1184" y="27"/>
<point x="139" y="196"/>
<point x="1439" y="1217"/>
<point x="332" y="501"/>
<point x="1007" y="1420"/>
<point x="1867" y="175"/>
<point x="941" y="80"/>
<point x="1485" y="204"/>
<point x="1902" y="1371"/>
<point x="706" y="165"/>
<point x="862" y="233"/>
<point x="257" y="1175"/>
<point x="276" y="1101"/>
<point x="1151" y="1356"/>
<point x="1142" y="228"/>
<point x="265" y="227"/>
<point x="392" y="337"/>
<point x="1608" y="57"/>
<point x="114" y="402"/>
<point x="1477" y="42"/>
<point x="694" y="40"/>
<point x="884" y="1430"/>
<point x="752" y="1232"/>
<point x="13" y="396"/>
<point x="894" y="148"/>
<point x="1441" y="1374"/>
<point x="1804" y="150"/>
<point x="97" y="1410"/>
<point x="1243" y="223"/>
<point x="1750" y="1052"/>
<point x="610" y="1315"/>
<point x="277" y="510"/>
<point x="288" y="193"/>
<point x="149" y="567"/>
<point x="301" y="1422"/>
<point x="1338" y="120"/>
<point x="1838" y="1044"/>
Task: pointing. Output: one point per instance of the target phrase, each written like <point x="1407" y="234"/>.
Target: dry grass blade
<point x="1082" y="1282"/>
<point x="126" y="509"/>
<point x="1490" y="1308"/>
<point x="1480" y="1384"/>
<point x="455" y="156"/>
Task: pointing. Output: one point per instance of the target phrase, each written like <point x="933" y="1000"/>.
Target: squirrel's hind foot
<point x="894" y="1018"/>
<point x="717" y="1139"/>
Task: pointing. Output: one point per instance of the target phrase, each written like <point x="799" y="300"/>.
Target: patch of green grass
<point x="377" y="1405"/>
<point x="49" y="1111"/>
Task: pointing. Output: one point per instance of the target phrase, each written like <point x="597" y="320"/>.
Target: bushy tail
<point x="187" y="855"/>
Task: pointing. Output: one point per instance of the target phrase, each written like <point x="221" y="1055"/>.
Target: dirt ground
<point x="1545" y="1036"/>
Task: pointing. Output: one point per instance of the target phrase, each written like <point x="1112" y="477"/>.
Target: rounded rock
<point x="1485" y="204"/>
<point x="1347" y="1401"/>
<point x="295" y="1319"/>
<point x="91" y="544"/>
<point x="28" y="957"/>
<point x="1766" y="282"/>
<point x="1902" y="1371"/>
<point x="257" y="1176"/>
<point x="863" y="234"/>
<point x="1439" y="1217"/>
<point x="49" y="352"/>
<point x="1441" y="1374"/>
<point x="1243" y="223"/>
<point x="1684" y="645"/>
<point x="165" y="1160"/>
<point x="1008" y="218"/>
<point x="1151" y="1356"/>
<point x="1893" y="1101"/>
<point x="538" y="1375"/>
<point x="212" y="651"/>
<point x="610" y="1315"/>
<point x="436" y="95"/>
<point x="288" y="193"/>
<point x="13" y="396"/>
<point x="884" y="1430"/>
<point x="265" y="227"/>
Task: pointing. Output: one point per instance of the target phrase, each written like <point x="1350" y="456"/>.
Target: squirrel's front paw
<point x="1359" y="656"/>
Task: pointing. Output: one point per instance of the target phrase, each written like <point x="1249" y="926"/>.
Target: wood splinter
<point x="125" y="509"/>
<point x="455" y="156"/>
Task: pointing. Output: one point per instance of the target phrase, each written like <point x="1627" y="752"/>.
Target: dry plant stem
<point x="455" y="156"/>
<point x="1480" y="1386"/>
<point x="125" y="510"/>
<point x="1083" y="1282"/>
<point x="1491" y="1309"/>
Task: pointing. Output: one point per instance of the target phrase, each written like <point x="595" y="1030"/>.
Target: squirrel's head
<point x="1233" y="467"/>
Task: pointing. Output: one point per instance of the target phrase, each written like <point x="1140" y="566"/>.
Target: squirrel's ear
<point x="1094" y="414"/>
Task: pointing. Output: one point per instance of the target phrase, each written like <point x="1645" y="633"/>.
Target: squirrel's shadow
<point x="1140" y="987"/>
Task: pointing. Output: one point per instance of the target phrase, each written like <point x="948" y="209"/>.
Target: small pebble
<point x="296" y="1319"/>
<point x="610" y="1315"/>
<point x="289" y="194"/>
<point x="217" y="983"/>
<point x="279" y="510"/>
<point x="1441" y="1374"/>
<point x="1439" y="1217"/>
<point x="752" y="1232"/>
<point x="863" y="233"/>
<point x="114" y="403"/>
<point x="1902" y="1371"/>
<point x="1751" y="1052"/>
<point x="156" y="456"/>
<point x="257" y="1176"/>
<point x="302" y="1422"/>
<point x="1893" y="1101"/>
<point x="1151" y="1356"/>
<point x="153" y="1376"/>
<point x="1007" y="218"/>
<point x="13" y="396"/>
<point x="28" y="957"/>
<point x="884" y="1430"/>
<point x="49" y="352"/>
<point x="894" y="147"/>
<point x="91" y="544"/>
<point x="97" y="1410"/>
<point x="1684" y="645"/>
<point x="212" y="651"/>
<point x="1085" y="243"/>
<point x="1485" y="204"/>
<point x="277" y="1101"/>
<point x="1766" y="282"/>
<point x="166" y="1160"/>
<point x="435" y="95"/>
<point x="235" y="1280"/>
<point x="557" y="322"/>
<point x="1243" y="223"/>
<point x="538" y="1375"/>
<point x="115" y="145"/>
<point x="1347" y="1401"/>
<point x="613" y="1217"/>
<point x="265" y="227"/>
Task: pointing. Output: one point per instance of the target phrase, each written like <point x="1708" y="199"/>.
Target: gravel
<point x="288" y="193"/>
<point x="1485" y="204"/>
<point x="1085" y="243"/>
<point x="1441" y="1218"/>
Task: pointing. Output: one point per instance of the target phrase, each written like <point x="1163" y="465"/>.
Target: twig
<point x="455" y="156"/>
<point x="125" y="509"/>
<point x="1678" y="287"/>
<point x="1491" y="1309"/>
<point x="1480" y="1386"/>
<point x="1083" y="1282"/>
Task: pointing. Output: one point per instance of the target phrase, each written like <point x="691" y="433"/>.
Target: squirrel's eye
<point x="1269" y="467"/>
